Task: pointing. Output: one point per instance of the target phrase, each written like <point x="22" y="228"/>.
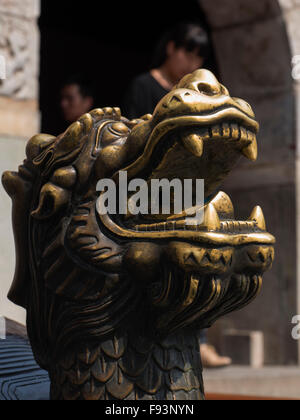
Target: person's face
<point x="182" y="62"/>
<point x="73" y="104"/>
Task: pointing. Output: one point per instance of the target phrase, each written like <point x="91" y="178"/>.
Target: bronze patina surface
<point x="114" y="301"/>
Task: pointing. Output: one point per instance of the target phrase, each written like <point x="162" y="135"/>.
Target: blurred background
<point x="254" y="43"/>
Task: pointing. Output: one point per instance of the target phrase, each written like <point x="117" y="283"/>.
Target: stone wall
<point x="19" y="44"/>
<point x="254" y="59"/>
<point x="291" y="10"/>
<point x="19" y="117"/>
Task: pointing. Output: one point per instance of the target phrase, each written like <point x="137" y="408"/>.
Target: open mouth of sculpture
<point x="203" y="147"/>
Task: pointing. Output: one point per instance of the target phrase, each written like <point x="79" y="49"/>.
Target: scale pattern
<point x="130" y="368"/>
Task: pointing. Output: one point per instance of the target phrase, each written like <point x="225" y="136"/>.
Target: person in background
<point x="182" y="50"/>
<point x="76" y="99"/>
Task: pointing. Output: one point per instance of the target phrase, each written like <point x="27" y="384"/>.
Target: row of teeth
<point x="194" y="141"/>
<point x="211" y="222"/>
<point x="235" y="227"/>
<point x="227" y="131"/>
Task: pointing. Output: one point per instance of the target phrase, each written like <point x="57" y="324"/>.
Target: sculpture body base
<point x="101" y="288"/>
<point x="129" y="368"/>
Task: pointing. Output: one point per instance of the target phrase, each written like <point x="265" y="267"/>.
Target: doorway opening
<point x="107" y="43"/>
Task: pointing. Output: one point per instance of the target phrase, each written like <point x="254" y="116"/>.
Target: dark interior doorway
<point x="108" y="42"/>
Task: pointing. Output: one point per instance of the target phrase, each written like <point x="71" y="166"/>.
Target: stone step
<point x="267" y="382"/>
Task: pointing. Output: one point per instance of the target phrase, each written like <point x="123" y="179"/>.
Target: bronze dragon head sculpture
<point x="114" y="301"/>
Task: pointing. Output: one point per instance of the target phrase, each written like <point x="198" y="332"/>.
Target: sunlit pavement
<point x="271" y="381"/>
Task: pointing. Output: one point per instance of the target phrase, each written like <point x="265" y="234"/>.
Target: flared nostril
<point x="202" y="81"/>
<point x="205" y="88"/>
<point x="209" y="89"/>
<point x="175" y="100"/>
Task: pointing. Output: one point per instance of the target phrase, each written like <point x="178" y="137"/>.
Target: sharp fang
<point x="250" y="152"/>
<point x="257" y="215"/>
<point x="223" y="204"/>
<point x="211" y="218"/>
<point x="194" y="144"/>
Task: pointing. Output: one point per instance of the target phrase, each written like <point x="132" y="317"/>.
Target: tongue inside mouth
<point x="191" y="148"/>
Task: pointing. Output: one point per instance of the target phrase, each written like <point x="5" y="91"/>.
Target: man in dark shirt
<point x="76" y="99"/>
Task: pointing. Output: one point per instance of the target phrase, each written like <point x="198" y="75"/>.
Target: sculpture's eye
<point x="119" y="128"/>
<point x="115" y="132"/>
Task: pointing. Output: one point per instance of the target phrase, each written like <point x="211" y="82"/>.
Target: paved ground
<point x="274" y="382"/>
